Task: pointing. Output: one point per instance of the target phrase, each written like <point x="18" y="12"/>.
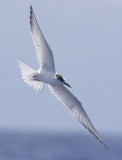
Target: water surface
<point x="45" y="146"/>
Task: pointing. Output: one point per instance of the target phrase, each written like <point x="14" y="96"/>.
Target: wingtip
<point x="31" y="10"/>
<point x="104" y="143"/>
<point x="31" y="7"/>
<point x="106" y="146"/>
<point x="18" y="59"/>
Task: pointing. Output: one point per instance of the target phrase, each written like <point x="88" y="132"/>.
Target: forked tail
<point x="28" y="75"/>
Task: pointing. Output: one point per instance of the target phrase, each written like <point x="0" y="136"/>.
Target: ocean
<point x="55" y="146"/>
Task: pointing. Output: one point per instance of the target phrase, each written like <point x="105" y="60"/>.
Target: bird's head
<point x="59" y="77"/>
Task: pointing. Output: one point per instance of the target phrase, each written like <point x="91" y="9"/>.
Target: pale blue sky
<point x="86" y="39"/>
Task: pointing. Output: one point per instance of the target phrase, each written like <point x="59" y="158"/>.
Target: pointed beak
<point x="67" y="84"/>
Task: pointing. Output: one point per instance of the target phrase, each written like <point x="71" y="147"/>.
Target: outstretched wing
<point x="75" y="108"/>
<point x="44" y="53"/>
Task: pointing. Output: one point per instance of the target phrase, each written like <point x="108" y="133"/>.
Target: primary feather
<point x="75" y="108"/>
<point x="44" y="53"/>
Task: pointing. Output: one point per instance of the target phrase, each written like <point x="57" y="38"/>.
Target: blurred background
<point x="86" y="38"/>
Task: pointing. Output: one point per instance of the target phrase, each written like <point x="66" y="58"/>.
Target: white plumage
<point x="46" y="74"/>
<point x="44" y="53"/>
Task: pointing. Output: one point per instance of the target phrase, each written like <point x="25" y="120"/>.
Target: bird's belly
<point x="55" y="82"/>
<point x="46" y="77"/>
<point x="49" y="79"/>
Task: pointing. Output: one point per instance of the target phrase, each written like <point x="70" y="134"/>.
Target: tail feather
<point x="28" y="74"/>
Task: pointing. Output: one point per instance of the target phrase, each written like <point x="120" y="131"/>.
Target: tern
<point x="47" y="74"/>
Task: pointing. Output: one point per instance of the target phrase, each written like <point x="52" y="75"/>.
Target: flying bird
<point x="47" y="74"/>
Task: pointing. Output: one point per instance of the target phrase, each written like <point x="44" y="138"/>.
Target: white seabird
<point x="47" y="74"/>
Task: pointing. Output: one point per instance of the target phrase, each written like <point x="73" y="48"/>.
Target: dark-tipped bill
<point x="67" y="84"/>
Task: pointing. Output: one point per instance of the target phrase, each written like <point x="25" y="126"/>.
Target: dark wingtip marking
<point x="106" y="146"/>
<point x="31" y="10"/>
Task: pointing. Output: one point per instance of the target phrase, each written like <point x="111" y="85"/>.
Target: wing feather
<point x="44" y="53"/>
<point x="75" y="108"/>
<point x="27" y="75"/>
